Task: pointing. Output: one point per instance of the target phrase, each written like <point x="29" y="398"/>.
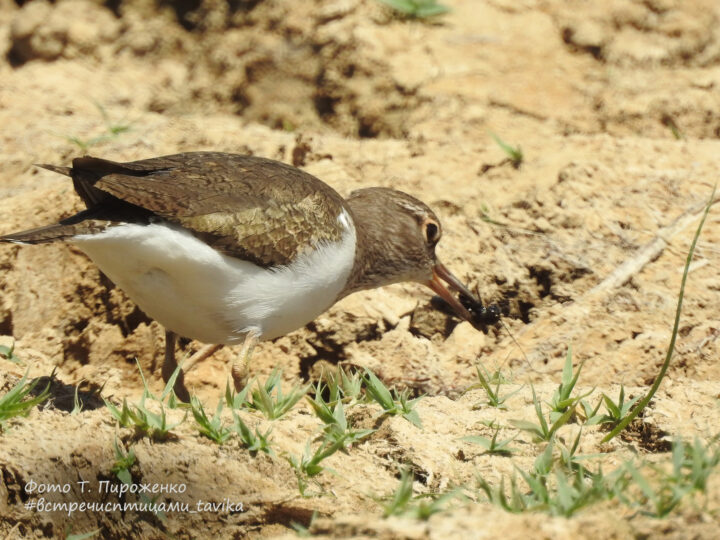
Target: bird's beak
<point x="440" y="274"/>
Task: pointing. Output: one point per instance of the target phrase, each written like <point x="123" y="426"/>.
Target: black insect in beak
<point x="465" y="305"/>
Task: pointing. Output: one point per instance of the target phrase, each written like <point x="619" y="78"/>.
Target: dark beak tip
<point x="465" y="305"/>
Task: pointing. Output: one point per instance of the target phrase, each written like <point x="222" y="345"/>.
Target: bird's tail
<point x="48" y="233"/>
<point x="90" y="221"/>
<point x="55" y="168"/>
<point x="41" y="235"/>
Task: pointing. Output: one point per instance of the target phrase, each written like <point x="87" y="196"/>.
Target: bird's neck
<point x="377" y="260"/>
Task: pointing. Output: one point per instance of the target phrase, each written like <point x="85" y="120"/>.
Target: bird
<point x="236" y="249"/>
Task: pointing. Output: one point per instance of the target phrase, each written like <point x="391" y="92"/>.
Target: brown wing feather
<point x="254" y="208"/>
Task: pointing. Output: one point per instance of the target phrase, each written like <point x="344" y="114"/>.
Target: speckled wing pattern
<point x="256" y="209"/>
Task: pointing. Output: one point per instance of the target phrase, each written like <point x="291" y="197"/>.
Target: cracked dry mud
<point x="617" y="110"/>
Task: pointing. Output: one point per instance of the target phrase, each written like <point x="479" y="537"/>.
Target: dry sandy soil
<point x="616" y="106"/>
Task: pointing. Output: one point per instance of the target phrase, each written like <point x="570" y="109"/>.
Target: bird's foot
<point x="240" y="370"/>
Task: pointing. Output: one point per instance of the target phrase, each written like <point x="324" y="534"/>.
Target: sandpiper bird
<point x="228" y="248"/>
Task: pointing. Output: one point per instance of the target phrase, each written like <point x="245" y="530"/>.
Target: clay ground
<point x="616" y="107"/>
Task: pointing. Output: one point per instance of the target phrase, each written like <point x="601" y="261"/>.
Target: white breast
<point x="198" y="293"/>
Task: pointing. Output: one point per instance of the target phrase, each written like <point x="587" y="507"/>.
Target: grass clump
<point x="514" y="153"/>
<point x="494" y="399"/>
<point x="403" y="502"/>
<point x="124" y="461"/>
<point x="615" y="411"/>
<point x="661" y="491"/>
<point x="562" y="405"/>
<point x="544" y="430"/>
<point x="416" y="9"/>
<point x="392" y="403"/>
<point x="268" y="397"/>
<point x="562" y="399"/>
<point x="492" y="445"/>
<point x="553" y="487"/>
<point x="146" y="422"/>
<point x="328" y="404"/>
<point x="332" y="414"/>
<point x="8" y="353"/>
<point x="14" y="403"/>
<point x="212" y="428"/>
<point x="308" y="465"/>
<point x="336" y="426"/>
<point x="344" y="386"/>
<point x="236" y="400"/>
<point x="254" y="442"/>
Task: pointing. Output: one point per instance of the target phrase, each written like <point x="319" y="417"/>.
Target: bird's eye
<point x="432" y="232"/>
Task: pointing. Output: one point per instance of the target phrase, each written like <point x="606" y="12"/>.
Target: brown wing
<point x="255" y="208"/>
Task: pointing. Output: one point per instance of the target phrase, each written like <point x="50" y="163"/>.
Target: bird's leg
<point x="239" y="370"/>
<point x="169" y="366"/>
<point x="205" y="351"/>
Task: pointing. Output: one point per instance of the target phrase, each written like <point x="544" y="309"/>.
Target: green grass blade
<point x="671" y="348"/>
<point x="171" y="382"/>
<point x="9" y="353"/>
<point x="378" y="391"/>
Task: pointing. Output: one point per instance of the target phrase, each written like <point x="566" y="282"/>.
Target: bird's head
<point x="398" y="235"/>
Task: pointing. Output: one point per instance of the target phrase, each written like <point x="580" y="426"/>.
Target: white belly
<point x="198" y="293"/>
